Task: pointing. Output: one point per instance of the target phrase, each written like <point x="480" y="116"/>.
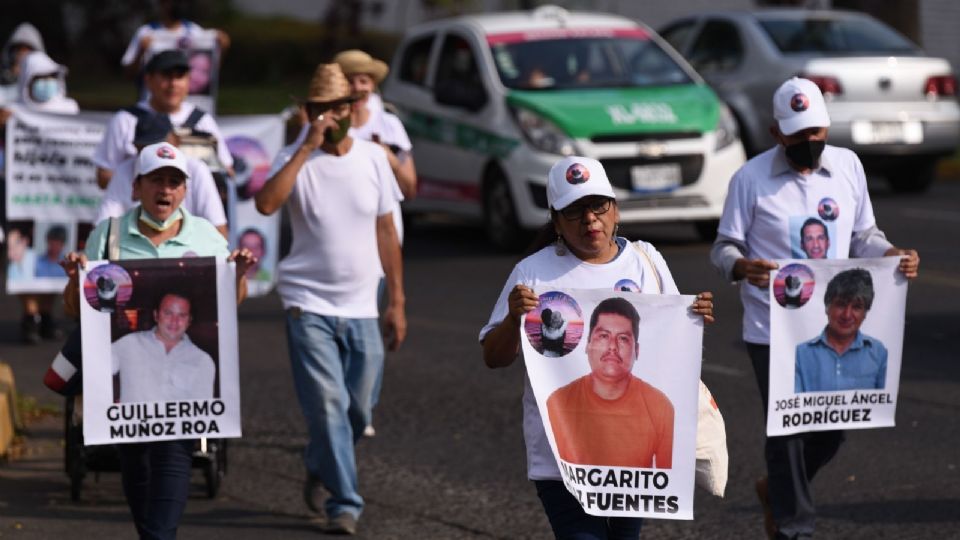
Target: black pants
<point x="570" y="522"/>
<point x="792" y="461"/>
<point x="156" y="482"/>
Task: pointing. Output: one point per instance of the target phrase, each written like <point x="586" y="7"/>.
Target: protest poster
<point x="160" y="356"/>
<point x="836" y="341"/>
<point x="203" y="54"/>
<point x="51" y="194"/>
<point x="616" y="380"/>
<point x="253" y="140"/>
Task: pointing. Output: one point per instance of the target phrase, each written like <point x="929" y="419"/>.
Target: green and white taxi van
<point x="492" y="101"/>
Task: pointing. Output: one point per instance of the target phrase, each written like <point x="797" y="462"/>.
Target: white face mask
<point x="45" y="89"/>
<point x="158" y="225"/>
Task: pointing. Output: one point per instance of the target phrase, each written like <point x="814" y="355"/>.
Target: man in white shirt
<point x="339" y="194"/>
<point x="769" y="201"/>
<point x="162" y="364"/>
<point x="167" y="78"/>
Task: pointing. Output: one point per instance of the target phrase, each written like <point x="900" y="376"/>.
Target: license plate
<point x="864" y="132"/>
<point x="655" y="177"/>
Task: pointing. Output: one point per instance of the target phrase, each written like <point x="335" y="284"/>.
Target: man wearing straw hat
<point x="371" y="122"/>
<point x="339" y="192"/>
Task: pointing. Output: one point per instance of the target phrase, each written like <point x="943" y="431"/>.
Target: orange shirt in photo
<point x="634" y="430"/>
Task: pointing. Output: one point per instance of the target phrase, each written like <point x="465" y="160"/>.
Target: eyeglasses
<point x="316" y="109"/>
<point x="597" y="207"/>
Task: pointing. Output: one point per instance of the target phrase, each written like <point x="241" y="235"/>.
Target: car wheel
<point x="707" y="230"/>
<point x="500" y="215"/>
<point x="913" y="176"/>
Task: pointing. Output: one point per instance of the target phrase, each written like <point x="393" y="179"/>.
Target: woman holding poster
<point x="578" y="248"/>
<point x="156" y="475"/>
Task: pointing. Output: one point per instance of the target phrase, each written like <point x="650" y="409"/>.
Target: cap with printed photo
<point x="575" y="177"/>
<point x="157" y="156"/>
<point x="798" y="104"/>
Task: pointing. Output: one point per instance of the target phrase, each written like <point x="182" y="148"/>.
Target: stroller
<point x="209" y="455"/>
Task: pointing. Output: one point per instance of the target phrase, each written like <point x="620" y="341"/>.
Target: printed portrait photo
<point x="165" y="336"/>
<point x="610" y="416"/>
<point x="842" y="357"/>
<point x="810" y="237"/>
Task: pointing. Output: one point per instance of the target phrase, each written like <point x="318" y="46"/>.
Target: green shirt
<point x="197" y="238"/>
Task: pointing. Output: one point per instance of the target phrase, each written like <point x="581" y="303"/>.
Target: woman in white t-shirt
<point x="369" y="120"/>
<point x="578" y="248"/>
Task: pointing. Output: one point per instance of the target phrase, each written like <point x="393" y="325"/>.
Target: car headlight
<point x="543" y="134"/>
<point x="726" y="131"/>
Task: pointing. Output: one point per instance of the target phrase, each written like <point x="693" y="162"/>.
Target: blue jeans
<point x="336" y="364"/>
<point x="570" y="522"/>
<point x="156" y="482"/>
<point x="792" y="461"/>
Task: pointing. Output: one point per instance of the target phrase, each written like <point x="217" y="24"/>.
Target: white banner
<point x="51" y="194"/>
<point x="253" y="141"/>
<point x="160" y="355"/>
<point x="836" y="340"/>
<point x="615" y="376"/>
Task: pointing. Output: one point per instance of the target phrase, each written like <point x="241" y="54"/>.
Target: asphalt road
<point x="448" y="459"/>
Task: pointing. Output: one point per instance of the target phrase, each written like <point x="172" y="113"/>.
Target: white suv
<point x="492" y="101"/>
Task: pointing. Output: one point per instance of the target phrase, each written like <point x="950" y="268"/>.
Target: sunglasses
<point x="597" y="207"/>
<point x="338" y="107"/>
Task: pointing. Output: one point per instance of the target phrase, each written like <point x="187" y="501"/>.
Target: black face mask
<point x="805" y="154"/>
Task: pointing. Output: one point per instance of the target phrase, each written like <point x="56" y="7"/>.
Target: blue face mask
<point x="43" y="90"/>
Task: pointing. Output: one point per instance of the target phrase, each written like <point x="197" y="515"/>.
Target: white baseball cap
<point x="157" y="156"/>
<point x="798" y="104"/>
<point x="575" y="177"/>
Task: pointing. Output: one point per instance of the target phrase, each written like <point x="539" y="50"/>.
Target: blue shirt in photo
<point x="821" y="369"/>
<point x="47" y="268"/>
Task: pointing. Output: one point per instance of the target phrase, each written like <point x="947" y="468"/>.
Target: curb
<point x="10" y="420"/>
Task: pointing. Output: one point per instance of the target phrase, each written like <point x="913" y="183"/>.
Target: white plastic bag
<point x="712" y="458"/>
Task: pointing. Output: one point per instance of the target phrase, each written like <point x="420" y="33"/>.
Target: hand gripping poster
<point x="159" y="350"/>
<point x="836" y="340"/>
<point x="615" y="376"/>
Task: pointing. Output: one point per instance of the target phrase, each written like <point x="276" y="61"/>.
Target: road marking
<point x="723" y="370"/>
<point x="939" y="278"/>
<point x="936" y="215"/>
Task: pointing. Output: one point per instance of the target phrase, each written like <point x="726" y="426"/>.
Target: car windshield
<point x="614" y="61"/>
<point x="836" y="36"/>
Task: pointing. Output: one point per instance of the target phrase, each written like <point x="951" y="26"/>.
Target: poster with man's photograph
<point x="836" y="340"/>
<point x="615" y="375"/>
<point x="34" y="251"/>
<point x="253" y="140"/>
<point x="159" y="350"/>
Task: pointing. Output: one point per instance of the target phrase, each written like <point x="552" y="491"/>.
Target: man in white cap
<point x="340" y="194"/>
<point x="769" y="200"/>
<point x="159" y="228"/>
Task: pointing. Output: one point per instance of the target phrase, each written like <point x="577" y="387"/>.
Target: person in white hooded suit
<point x="41" y="87"/>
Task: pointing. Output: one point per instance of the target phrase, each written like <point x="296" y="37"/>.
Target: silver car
<point x="892" y="104"/>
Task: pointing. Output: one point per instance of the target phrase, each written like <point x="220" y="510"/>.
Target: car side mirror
<point x="460" y="94"/>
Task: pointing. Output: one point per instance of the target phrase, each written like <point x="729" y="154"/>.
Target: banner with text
<point x="160" y="354"/>
<point x="836" y="340"/>
<point x="51" y="194"/>
<point x="616" y="379"/>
